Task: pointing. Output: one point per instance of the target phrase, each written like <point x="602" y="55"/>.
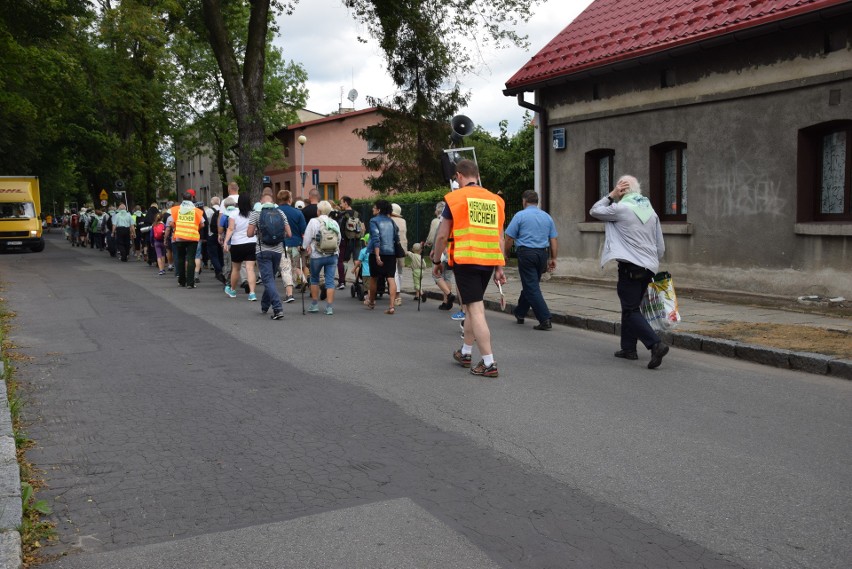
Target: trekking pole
<point x="420" y="288"/>
<point x="302" y="278"/>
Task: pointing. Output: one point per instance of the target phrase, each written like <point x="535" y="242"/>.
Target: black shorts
<point x="387" y="271"/>
<point x="472" y="280"/>
<point x="243" y="252"/>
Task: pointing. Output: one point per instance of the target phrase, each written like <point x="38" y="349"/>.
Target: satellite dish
<point x="353" y="94"/>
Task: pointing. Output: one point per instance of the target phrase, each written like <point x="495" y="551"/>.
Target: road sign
<point x="103" y="202"/>
<point x="104" y="195"/>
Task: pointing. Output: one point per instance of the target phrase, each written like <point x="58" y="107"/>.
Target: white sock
<point x="467" y="350"/>
<point x="488" y="359"/>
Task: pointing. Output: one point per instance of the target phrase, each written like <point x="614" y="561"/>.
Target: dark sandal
<point x="390" y="311"/>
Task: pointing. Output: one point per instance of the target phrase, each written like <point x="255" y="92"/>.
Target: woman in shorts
<point x="383" y="235"/>
<point x="241" y="247"/>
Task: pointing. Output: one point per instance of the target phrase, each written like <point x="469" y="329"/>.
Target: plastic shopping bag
<point x="659" y="306"/>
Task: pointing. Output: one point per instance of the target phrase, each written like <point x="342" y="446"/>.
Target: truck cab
<point x="20" y="213"/>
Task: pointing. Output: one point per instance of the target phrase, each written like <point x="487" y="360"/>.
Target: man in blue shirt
<point x="534" y="234"/>
<point x="293" y="244"/>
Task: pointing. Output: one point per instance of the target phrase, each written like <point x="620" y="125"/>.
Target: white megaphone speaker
<point x="462" y="126"/>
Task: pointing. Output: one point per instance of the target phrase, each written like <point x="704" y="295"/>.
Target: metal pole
<point x="302" y="140"/>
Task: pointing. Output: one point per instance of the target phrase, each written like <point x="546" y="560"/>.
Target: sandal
<point x="390" y="310"/>
<point x="369" y="305"/>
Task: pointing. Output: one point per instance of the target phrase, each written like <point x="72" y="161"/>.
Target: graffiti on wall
<point x="740" y="191"/>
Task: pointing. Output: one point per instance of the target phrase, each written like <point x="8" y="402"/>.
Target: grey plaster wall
<point x="742" y="139"/>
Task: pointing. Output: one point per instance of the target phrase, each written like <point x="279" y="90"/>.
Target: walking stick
<point x="302" y="275"/>
<point x="420" y="288"/>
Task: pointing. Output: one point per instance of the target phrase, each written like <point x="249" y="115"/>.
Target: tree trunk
<point x="245" y="90"/>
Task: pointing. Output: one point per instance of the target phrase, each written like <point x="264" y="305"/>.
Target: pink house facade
<point x="332" y="149"/>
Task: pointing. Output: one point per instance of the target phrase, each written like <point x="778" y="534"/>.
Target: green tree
<point x="208" y="119"/>
<point x="398" y="25"/>
<point x="506" y="163"/>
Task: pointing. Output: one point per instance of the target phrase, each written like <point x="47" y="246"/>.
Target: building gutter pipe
<point x="544" y="171"/>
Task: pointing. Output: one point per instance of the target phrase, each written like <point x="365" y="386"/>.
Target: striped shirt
<point x="254" y="219"/>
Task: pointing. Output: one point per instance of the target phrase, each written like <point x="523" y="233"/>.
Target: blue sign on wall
<point x="559" y="139"/>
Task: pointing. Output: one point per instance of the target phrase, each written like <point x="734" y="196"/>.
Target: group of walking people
<point x="306" y="245"/>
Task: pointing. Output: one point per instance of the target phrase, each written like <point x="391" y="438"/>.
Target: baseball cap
<point x="191" y="192"/>
<point x="300" y="204"/>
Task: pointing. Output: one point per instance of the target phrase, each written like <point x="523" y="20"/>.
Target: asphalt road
<point x="180" y="428"/>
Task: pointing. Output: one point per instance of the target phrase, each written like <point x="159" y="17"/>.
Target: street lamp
<point x="302" y="140"/>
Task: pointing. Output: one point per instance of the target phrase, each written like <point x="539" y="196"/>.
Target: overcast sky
<point x="321" y="35"/>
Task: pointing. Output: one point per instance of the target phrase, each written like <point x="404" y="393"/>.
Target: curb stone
<point x="800" y="361"/>
<point x="10" y="486"/>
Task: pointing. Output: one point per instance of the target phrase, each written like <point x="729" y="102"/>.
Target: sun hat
<point x="396" y="210"/>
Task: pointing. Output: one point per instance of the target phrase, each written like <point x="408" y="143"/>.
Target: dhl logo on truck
<point x="11" y="191"/>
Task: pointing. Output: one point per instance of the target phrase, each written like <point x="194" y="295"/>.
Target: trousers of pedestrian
<point x="185" y="261"/>
<point x="631" y="290"/>
<point x="214" y="251"/>
<point x="532" y="263"/>
<point x="122" y="241"/>
<point x="267" y="263"/>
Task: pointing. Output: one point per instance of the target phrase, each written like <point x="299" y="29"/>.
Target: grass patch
<point x="35" y="530"/>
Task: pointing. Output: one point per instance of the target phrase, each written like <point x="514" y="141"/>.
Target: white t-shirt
<point x="239" y="236"/>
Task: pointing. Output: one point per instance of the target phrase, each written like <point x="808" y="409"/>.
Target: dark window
<point x="599" y="172"/>
<point x="374" y="145"/>
<point x="824" y="165"/>
<point x="668" y="171"/>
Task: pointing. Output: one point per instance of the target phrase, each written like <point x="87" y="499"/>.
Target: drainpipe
<point x="544" y="174"/>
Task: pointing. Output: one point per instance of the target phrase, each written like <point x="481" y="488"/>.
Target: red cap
<point x="191" y="192"/>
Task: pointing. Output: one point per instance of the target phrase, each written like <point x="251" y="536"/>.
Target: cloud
<point x="323" y="36"/>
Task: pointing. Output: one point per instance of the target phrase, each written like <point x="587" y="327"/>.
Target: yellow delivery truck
<point x="20" y="213"/>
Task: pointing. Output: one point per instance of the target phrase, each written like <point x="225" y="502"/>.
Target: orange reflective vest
<point x="478" y="217"/>
<point x="187" y="224"/>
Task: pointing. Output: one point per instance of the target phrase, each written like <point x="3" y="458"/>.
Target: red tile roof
<point x="610" y="31"/>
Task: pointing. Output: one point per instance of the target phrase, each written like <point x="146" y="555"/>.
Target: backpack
<point x="271" y="224"/>
<point x="354" y="228"/>
<point x="74" y="221"/>
<point x="94" y="225"/>
<point x="159" y="230"/>
<point x="328" y="237"/>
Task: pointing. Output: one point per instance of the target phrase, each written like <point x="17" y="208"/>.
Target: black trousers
<point x="633" y="281"/>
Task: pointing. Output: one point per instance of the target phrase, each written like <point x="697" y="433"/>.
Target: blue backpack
<point x="271" y="225"/>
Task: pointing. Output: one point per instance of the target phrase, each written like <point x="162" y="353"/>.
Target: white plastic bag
<point x="659" y="306"/>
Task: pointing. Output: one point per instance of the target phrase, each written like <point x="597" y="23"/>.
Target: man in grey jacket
<point x="634" y="239"/>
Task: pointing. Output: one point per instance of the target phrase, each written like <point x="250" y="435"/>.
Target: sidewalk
<point x="594" y="306"/>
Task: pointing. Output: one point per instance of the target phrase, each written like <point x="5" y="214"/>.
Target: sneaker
<point x="197" y="280"/>
<point x="252" y="297"/>
<point x="329" y="310"/>
<point x="290" y="299"/>
<point x="445" y="306"/>
<point x="658" y="351"/>
<point x="163" y="272"/>
<point x="258" y="281"/>
<point x="626" y="355"/>
<point x="458" y="315"/>
<point x="464" y="360"/>
<point x="171" y="268"/>
<point x="341" y="286"/>
<point x="313" y="308"/>
<point x="546" y="325"/>
<point x="481" y="369"/>
<point x="230" y="292"/>
<point x="279" y="315"/>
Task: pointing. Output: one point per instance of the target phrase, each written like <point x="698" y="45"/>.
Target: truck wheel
<point x="38" y="248"/>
